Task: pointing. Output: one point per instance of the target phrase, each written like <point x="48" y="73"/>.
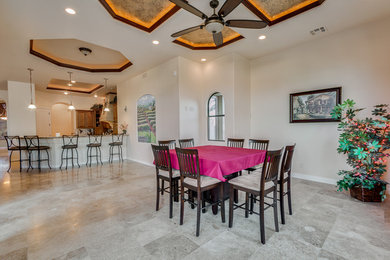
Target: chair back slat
<point x="162" y="158"/>
<point x="32" y="141"/>
<point x="186" y="143"/>
<point x="188" y="163"/>
<point x="70" y="140"/>
<point x="258" y="144"/>
<point x="170" y="143"/>
<point x="271" y="167"/>
<point x="238" y="143"/>
<point x="117" y="138"/>
<point x="287" y="160"/>
<point x="95" y="139"/>
<point x="12" y="141"/>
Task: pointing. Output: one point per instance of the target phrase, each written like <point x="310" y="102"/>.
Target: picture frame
<point x="314" y="106"/>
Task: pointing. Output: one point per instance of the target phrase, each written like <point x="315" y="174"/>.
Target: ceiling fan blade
<point x="218" y="39"/>
<point x="185" y="31"/>
<point x="249" y="24"/>
<point x="228" y="6"/>
<point x="189" y="8"/>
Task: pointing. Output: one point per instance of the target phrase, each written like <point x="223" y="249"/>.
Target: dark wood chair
<point x="285" y="177"/>
<point x="186" y="143"/>
<point x="34" y="145"/>
<point x="259" y="185"/>
<point x="170" y="143"/>
<point x="258" y="145"/>
<point x="95" y="142"/>
<point x="191" y="179"/>
<point x="164" y="172"/>
<point x="70" y="143"/>
<point x="238" y="143"/>
<point x="14" y="144"/>
<point x="117" y="141"/>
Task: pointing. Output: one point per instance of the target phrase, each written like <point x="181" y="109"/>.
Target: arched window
<point x="216" y="117"/>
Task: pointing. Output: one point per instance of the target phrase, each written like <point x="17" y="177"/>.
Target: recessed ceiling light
<point x="70" y="11"/>
<point x="156" y="42"/>
<point x="203" y="60"/>
<point x="262" y="37"/>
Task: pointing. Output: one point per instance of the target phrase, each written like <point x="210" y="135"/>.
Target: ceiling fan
<point x="215" y="23"/>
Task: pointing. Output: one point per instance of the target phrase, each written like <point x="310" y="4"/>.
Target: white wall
<point x="162" y="83"/>
<point x="358" y="60"/>
<point x="21" y="120"/>
<point x="46" y="100"/>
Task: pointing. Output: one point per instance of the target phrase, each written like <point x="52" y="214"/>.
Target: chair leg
<point x="86" y="164"/>
<point x="235" y="196"/>
<point x="110" y="155"/>
<point x="10" y="161"/>
<point x="100" y="156"/>
<point x="62" y="158"/>
<point x="162" y="187"/>
<point x="20" y="160"/>
<point x="231" y="194"/>
<point x="39" y="160"/>
<point x="252" y="202"/>
<point x="191" y="198"/>
<point x="48" y="159"/>
<point x="281" y="199"/>
<point x="29" y="161"/>
<point x="275" y="206"/>
<point x="289" y="196"/>
<point x="77" y="157"/>
<point x="176" y="191"/>
<point x="261" y="216"/>
<point x="222" y="201"/>
<point x="246" y="204"/>
<point x="171" y="194"/>
<point x="67" y="156"/>
<point x="157" y="194"/>
<point x="203" y="205"/>
<point x="198" y="213"/>
<point x="121" y="153"/>
<point x="182" y="203"/>
<point x="72" y="158"/>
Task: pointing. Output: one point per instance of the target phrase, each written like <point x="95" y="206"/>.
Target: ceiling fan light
<point x="214" y="26"/>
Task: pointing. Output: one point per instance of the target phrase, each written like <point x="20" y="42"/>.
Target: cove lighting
<point x="70" y="11"/>
<point x="262" y="37"/>
<point x="156" y="42"/>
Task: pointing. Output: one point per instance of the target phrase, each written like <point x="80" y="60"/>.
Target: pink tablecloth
<point x="218" y="161"/>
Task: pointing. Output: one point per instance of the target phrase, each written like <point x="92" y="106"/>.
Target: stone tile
<point x="325" y="255"/>
<point x="78" y="254"/>
<point x="171" y="246"/>
<point x="20" y="254"/>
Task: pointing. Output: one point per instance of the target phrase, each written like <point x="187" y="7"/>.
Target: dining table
<point x="222" y="163"/>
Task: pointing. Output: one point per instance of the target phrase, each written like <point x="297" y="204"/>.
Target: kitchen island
<point x="55" y="144"/>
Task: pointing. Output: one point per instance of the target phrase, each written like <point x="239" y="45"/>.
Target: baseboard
<point x="314" y="178"/>
<point x="141" y="162"/>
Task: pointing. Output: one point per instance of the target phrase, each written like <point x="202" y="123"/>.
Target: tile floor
<point x="108" y="212"/>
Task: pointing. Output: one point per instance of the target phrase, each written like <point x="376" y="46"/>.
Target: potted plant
<point x="366" y="143"/>
<point x="123" y="127"/>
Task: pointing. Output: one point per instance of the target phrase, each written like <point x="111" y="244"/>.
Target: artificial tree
<point x="366" y="143"/>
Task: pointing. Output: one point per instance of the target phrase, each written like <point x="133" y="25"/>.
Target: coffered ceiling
<point x="23" y="20"/>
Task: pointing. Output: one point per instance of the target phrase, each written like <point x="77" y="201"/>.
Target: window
<point x="216" y="117"/>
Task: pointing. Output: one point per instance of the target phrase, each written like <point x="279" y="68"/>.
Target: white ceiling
<point x="22" y="20"/>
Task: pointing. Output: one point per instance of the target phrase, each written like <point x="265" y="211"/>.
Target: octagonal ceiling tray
<point x="66" y="53"/>
<point x="78" y="87"/>
<point x="275" y="11"/>
<point x="146" y="15"/>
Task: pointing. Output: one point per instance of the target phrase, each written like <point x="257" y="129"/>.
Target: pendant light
<point x="106" y="109"/>
<point x="71" y="106"/>
<point x="32" y="106"/>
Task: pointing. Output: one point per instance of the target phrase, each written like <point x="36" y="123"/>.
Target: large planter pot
<point x="367" y="195"/>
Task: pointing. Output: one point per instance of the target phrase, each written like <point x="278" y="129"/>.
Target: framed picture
<point x="314" y="106"/>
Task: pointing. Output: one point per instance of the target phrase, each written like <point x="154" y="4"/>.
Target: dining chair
<point x="238" y="143"/>
<point x="286" y="169"/>
<point x="186" y="143"/>
<point x="170" y="143"/>
<point x="259" y="185"/>
<point x="257" y="145"/>
<point x="164" y="172"/>
<point x="191" y="179"/>
<point x="34" y="145"/>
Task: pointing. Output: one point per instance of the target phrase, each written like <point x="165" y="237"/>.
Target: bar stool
<point x="117" y="141"/>
<point x="95" y="141"/>
<point x="14" y="144"/>
<point x="69" y="142"/>
<point x="33" y="144"/>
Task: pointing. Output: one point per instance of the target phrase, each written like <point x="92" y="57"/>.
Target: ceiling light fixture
<point x="262" y="37"/>
<point x="95" y="95"/>
<point x="156" y="42"/>
<point x="84" y="50"/>
<point x="71" y="106"/>
<point x="66" y="93"/>
<point x="106" y="109"/>
<point x="32" y="106"/>
<point x="203" y="60"/>
<point x="70" y="10"/>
